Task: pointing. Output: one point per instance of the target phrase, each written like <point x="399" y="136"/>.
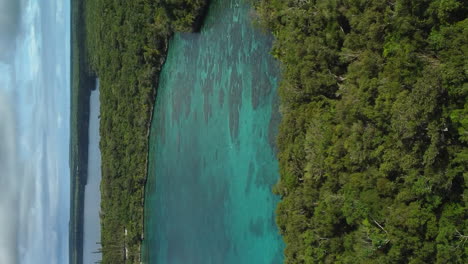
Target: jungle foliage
<point x="373" y="141"/>
<point x="126" y="43"/>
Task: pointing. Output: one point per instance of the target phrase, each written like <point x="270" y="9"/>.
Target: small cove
<point x="212" y="160"/>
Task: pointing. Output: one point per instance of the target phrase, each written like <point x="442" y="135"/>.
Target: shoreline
<point x="196" y="27"/>
<point x="148" y="136"/>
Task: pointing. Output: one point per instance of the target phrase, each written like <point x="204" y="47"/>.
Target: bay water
<point x="212" y="146"/>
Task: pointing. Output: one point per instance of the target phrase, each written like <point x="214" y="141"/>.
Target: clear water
<point x="212" y="155"/>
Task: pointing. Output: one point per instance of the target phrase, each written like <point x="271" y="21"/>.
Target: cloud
<point x="8" y="184"/>
<point x="9" y="27"/>
<point x="34" y="173"/>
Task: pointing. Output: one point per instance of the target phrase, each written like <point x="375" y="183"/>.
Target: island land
<point x="373" y="142"/>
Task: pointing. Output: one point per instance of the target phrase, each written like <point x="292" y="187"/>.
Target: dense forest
<point x="374" y="134"/>
<point x="126" y="43"/>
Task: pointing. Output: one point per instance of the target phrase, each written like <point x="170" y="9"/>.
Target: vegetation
<point x="125" y="44"/>
<point x="373" y="142"/>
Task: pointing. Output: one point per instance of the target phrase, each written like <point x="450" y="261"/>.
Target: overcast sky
<point x="34" y="131"/>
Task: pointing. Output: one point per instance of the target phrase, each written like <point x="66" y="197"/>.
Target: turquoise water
<point x="212" y="156"/>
